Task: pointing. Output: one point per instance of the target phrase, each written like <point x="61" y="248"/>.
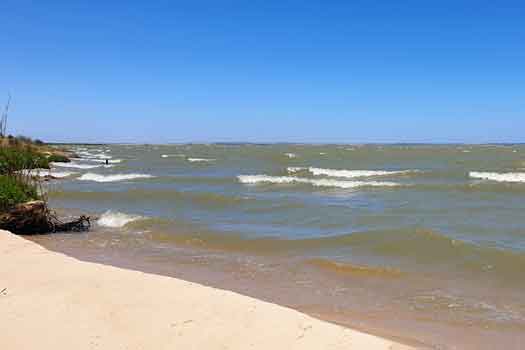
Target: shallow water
<point x="422" y="242"/>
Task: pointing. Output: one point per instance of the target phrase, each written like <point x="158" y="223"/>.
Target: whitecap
<point x="56" y="174"/>
<point x="76" y="165"/>
<point x="95" y="160"/>
<point x="355" y="173"/>
<point x="116" y="219"/>
<point x="113" y="177"/>
<point x="172" y="155"/>
<point x="256" y="179"/>
<point x="291" y="155"/>
<point x="200" y="160"/>
<point x="94" y="156"/>
<point x="295" y="169"/>
<point x="499" y="177"/>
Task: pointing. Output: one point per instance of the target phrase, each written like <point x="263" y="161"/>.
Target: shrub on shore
<point x="14" y="191"/>
<point x="13" y="159"/>
<point x="22" y="209"/>
<point x="17" y="184"/>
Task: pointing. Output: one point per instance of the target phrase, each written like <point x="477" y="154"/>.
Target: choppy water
<point x="434" y="235"/>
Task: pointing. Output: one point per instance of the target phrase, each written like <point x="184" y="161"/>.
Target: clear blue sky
<point x="298" y="71"/>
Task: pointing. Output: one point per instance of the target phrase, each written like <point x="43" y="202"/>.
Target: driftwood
<point x="35" y="217"/>
<point x="83" y="223"/>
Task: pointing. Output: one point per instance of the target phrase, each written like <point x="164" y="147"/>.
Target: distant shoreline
<point x="291" y="143"/>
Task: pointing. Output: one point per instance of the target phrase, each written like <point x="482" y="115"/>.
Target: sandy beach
<point x="52" y="301"/>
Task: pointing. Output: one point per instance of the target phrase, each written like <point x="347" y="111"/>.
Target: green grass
<point x="14" y="191"/>
<point x="15" y="186"/>
<point x="13" y="159"/>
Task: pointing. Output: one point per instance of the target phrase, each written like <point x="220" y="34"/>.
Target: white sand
<point x="52" y="301"/>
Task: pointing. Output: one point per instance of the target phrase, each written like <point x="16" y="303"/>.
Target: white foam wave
<point x="291" y="155"/>
<point x="295" y="169"/>
<point x="96" y="160"/>
<point x="256" y="179"/>
<point x="354" y="173"/>
<point x="89" y="155"/>
<point x="347" y="173"/>
<point x="56" y="174"/>
<point x="499" y="177"/>
<point x="113" y="177"/>
<point x="116" y="219"/>
<point x="172" y="155"/>
<point x="200" y="160"/>
<point x="76" y="165"/>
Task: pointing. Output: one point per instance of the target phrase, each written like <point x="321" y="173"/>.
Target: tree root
<point x="83" y="223"/>
<point x="36" y="218"/>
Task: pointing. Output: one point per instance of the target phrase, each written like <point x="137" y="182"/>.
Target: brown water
<point x="412" y="308"/>
<point x="423" y="243"/>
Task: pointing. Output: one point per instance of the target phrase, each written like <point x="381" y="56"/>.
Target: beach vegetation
<point x="17" y="182"/>
<point x="14" y="190"/>
<point x="23" y="202"/>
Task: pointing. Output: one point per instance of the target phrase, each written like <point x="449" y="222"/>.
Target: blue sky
<point x="265" y="71"/>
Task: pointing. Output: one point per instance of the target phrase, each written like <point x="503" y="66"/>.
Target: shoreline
<point x="106" y="307"/>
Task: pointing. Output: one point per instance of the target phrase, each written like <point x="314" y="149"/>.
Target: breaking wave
<point x="112" y="178"/>
<point x="76" y="165"/>
<point x="499" y="177"/>
<point x="193" y="160"/>
<point x="87" y="154"/>
<point x="171" y="155"/>
<point x="256" y="179"/>
<point x="116" y="219"/>
<point x="355" y="173"/>
<point x="110" y="161"/>
<point x="295" y="169"/>
<point x="56" y="174"/>
<point x="350" y="174"/>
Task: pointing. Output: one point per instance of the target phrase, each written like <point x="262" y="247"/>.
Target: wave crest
<point x="76" y="165"/>
<point x="112" y="178"/>
<point x="56" y="174"/>
<point x="498" y="177"/>
<point x="196" y="160"/>
<point x="256" y="179"/>
<point x="361" y="270"/>
<point x="350" y="174"/>
<point x="116" y="219"/>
